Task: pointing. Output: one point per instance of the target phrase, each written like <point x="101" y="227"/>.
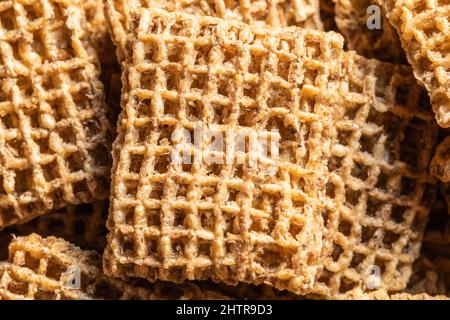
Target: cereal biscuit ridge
<point x="54" y="133"/>
<point x="277" y="13"/>
<point x="226" y="222"/>
<point x="424" y="30"/>
<point x="40" y="268"/>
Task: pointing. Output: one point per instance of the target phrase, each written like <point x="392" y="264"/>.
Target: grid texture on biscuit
<point x="83" y="225"/>
<point x="277" y="13"/>
<point x="228" y="222"/>
<point x="39" y="268"/>
<point x="54" y="133"/>
<point x="440" y="165"/>
<point x="379" y="191"/>
<point x="424" y="30"/>
<point x="353" y="19"/>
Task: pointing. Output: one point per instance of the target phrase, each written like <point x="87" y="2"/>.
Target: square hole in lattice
<point x="23" y="181"/>
<point x="187" y="167"/>
<point x="360" y="171"/>
<point x="31" y="262"/>
<point x="126" y="243"/>
<point x="126" y="216"/>
<point x="311" y="76"/>
<point x="136" y="161"/>
<point x="16" y="148"/>
<point x="284" y="68"/>
<point x="233" y="194"/>
<point x="256" y="64"/>
<point x="219" y="114"/>
<point x="337" y="251"/>
<point x="7" y="19"/>
<point x="346" y="285"/>
<point x="202" y="54"/>
<point x="152" y="248"/>
<point x="352" y="197"/>
<point x="144" y="108"/>
<point x="345" y="227"/>
<point x="194" y="110"/>
<point x="25" y="86"/>
<point x="80" y="189"/>
<point x="369" y="234"/>
<point x="214" y="169"/>
<point x="251" y="90"/>
<point x="229" y="57"/>
<point x="49" y="80"/>
<point x="153" y="217"/>
<point x="247" y="117"/>
<point x="279" y="97"/>
<point x="75" y="162"/>
<point x="182" y="190"/>
<point x="367" y="143"/>
<point x="171" y="107"/>
<point x="131" y="188"/>
<point x="270" y="259"/>
<point x="50" y="171"/>
<point x="58" y="108"/>
<point x="17" y="287"/>
<point x="77" y="76"/>
<point x="156" y="191"/>
<point x="270" y="201"/>
<point x="223" y="86"/>
<point x="383" y="181"/>
<point x="204" y="248"/>
<point x="178" y="246"/>
<point x="64" y="49"/>
<point x="54" y="270"/>
<point x="58" y="197"/>
<point x="234" y="247"/>
<point x="81" y="99"/>
<point x="148" y="79"/>
<point x="172" y="79"/>
<point x="390" y="238"/>
<point x="262" y="225"/>
<point x="231" y="223"/>
<point x="199" y="81"/>
<point x="67" y="134"/>
<point x="208" y="193"/>
<point x="398" y="213"/>
<point x="10" y="121"/>
<point x="206" y="217"/>
<point x="144" y="132"/>
<point x="179" y="216"/>
<point x="92" y="127"/>
<point x="357" y="259"/>
<point x="165" y="134"/>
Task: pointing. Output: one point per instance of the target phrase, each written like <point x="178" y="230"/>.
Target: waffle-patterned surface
<point x="352" y="18"/>
<point x="43" y="268"/>
<point x="278" y="13"/>
<point x="54" y="133"/>
<point x="424" y="30"/>
<point x="228" y="222"/>
<point x="83" y="225"/>
<point x="379" y="192"/>
<point x="440" y="165"/>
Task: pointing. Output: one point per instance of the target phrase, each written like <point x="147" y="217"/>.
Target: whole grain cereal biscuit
<point x="352" y="18"/>
<point x="278" y="13"/>
<point x="379" y="192"/>
<point x="54" y="133"/>
<point x="424" y="30"/>
<point x="47" y="269"/>
<point x="231" y="221"/>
